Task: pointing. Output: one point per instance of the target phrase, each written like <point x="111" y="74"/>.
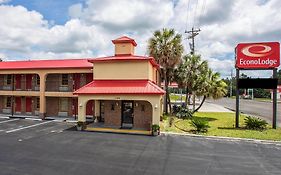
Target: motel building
<point x="118" y="91"/>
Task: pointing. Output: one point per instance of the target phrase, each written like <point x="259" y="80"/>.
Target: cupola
<point x="124" y="46"/>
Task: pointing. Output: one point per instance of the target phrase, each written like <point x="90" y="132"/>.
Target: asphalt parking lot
<point x="49" y="147"/>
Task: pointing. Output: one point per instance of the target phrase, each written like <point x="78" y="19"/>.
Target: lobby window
<point x="8" y="102"/>
<point x="63" y="104"/>
<point x="8" y="80"/>
<point x="64" y="79"/>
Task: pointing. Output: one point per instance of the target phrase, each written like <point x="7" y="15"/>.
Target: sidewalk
<point x="55" y="118"/>
<point x="210" y="107"/>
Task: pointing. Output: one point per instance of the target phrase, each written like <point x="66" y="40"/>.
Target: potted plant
<point x="80" y="126"/>
<point x="155" y="130"/>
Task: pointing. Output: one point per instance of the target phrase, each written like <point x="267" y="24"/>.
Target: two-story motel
<point x="120" y="90"/>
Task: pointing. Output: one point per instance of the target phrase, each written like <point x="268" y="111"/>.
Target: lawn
<point x="221" y="124"/>
<point x="175" y="97"/>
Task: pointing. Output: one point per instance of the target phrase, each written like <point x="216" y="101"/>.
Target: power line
<point x="195" y="12"/>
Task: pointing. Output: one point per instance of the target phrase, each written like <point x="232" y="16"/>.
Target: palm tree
<point x="166" y="47"/>
<point x="191" y="74"/>
<point x="213" y="87"/>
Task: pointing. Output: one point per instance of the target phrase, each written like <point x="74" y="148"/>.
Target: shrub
<point x="155" y="128"/>
<point x="199" y="124"/>
<point x="255" y="123"/>
<point x="184" y="113"/>
<point x="171" y="121"/>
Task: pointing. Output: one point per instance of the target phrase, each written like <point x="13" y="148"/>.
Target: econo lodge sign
<point x="258" y="55"/>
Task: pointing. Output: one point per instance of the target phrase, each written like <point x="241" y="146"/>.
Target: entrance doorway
<point x="127" y="114"/>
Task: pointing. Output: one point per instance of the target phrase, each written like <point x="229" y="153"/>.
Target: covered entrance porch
<point x="122" y="112"/>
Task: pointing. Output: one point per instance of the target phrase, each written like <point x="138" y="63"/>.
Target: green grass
<point x="174" y="97"/>
<point x="263" y="99"/>
<point x="221" y="124"/>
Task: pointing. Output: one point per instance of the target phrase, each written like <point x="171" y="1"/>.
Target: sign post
<point x="257" y="56"/>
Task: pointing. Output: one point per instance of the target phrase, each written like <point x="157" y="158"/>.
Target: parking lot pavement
<point x="55" y="148"/>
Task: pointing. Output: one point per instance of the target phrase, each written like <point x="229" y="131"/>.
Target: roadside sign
<point x="258" y="55"/>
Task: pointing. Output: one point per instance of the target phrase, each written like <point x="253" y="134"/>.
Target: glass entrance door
<point x="127" y="114"/>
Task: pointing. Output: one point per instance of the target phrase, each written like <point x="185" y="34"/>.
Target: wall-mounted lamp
<point x="80" y="105"/>
<point x="156" y="106"/>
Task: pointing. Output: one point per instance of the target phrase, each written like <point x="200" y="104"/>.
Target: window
<point x="8" y="79"/>
<point x="8" y="102"/>
<point x="37" y="80"/>
<point x="64" y="79"/>
<point x="63" y="104"/>
<point x="37" y="103"/>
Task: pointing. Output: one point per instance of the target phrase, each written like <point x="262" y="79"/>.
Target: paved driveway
<point x="36" y="147"/>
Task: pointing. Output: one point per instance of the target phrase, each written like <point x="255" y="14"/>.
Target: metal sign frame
<point x="274" y="107"/>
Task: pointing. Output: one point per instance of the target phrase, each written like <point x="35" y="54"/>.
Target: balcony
<point x="21" y="86"/>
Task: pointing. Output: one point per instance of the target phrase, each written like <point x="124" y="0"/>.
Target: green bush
<point x="184" y="113"/>
<point x="255" y="123"/>
<point x="171" y="121"/>
<point x="199" y="124"/>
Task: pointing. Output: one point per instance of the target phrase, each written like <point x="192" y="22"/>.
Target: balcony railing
<point x="21" y="86"/>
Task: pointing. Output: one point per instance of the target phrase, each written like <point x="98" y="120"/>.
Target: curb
<point x="225" y="138"/>
<point x="38" y="119"/>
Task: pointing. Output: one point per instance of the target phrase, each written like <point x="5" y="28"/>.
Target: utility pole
<point x="193" y="32"/>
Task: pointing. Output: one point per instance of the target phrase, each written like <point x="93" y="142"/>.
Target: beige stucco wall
<point x="129" y="70"/>
<point x="154" y="100"/>
<point x="124" y="49"/>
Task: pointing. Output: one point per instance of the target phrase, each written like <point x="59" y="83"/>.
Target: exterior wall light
<point x="156" y="106"/>
<point x="80" y="105"/>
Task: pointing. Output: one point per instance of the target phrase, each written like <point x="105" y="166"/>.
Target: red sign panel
<point x="258" y="55"/>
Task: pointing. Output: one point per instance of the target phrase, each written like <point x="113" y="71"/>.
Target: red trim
<point x="124" y="39"/>
<point x="46" y="64"/>
<point x="121" y="87"/>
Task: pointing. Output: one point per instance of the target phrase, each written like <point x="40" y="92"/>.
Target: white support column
<point x="81" y="110"/>
<point x="97" y="108"/>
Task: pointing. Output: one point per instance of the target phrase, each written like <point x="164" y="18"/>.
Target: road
<point x="257" y="108"/>
<point x="48" y="147"/>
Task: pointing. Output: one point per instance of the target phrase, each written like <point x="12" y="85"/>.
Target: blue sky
<point x="59" y="29"/>
<point x="52" y="10"/>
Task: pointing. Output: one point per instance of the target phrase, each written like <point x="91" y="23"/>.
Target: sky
<point x="60" y="29"/>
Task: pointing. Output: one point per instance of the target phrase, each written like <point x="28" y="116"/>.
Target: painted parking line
<point x="9" y="121"/>
<point x="30" y="126"/>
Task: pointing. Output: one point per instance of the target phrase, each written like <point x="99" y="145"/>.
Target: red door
<point x="76" y="81"/>
<point x="90" y="107"/>
<point x="89" y="78"/>
<point x="28" y="82"/>
<point x="18" y="81"/>
<point x="28" y="104"/>
<point x="18" y="104"/>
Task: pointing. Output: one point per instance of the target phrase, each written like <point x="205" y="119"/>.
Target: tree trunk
<point x="169" y="103"/>
<point x="186" y="97"/>
<point x="193" y="95"/>
<point x="167" y="93"/>
<point x="203" y="100"/>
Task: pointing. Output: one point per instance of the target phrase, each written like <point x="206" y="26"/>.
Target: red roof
<point x="125" y="58"/>
<point x="120" y="87"/>
<point x="124" y="39"/>
<point x="45" y="64"/>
